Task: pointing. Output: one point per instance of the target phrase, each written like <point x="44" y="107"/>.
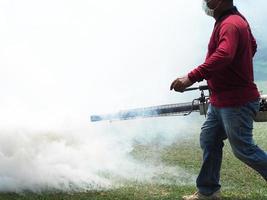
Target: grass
<point x="238" y="181"/>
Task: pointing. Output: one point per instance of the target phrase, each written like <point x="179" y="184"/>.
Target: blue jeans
<point x="236" y="124"/>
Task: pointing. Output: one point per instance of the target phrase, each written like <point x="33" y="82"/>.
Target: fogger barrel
<point x="199" y="104"/>
<point x="154" y="111"/>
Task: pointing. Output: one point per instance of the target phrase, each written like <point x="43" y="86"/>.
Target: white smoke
<point x="98" y="157"/>
<point x="62" y="61"/>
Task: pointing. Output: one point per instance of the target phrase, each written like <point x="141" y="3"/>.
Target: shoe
<point x="198" y="196"/>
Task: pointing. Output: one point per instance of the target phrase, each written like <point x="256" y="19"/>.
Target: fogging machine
<point x="180" y="109"/>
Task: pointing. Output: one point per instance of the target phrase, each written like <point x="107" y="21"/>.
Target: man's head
<point x="215" y="7"/>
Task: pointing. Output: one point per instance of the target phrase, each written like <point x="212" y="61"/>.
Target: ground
<point x="239" y="182"/>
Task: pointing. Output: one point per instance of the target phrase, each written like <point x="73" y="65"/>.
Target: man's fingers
<point x="178" y="86"/>
<point x="177" y="83"/>
<point x="172" y="85"/>
<point x="179" y="89"/>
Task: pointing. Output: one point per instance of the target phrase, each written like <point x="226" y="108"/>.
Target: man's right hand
<point x="180" y="84"/>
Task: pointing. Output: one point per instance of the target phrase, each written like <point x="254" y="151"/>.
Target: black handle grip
<point x="201" y="87"/>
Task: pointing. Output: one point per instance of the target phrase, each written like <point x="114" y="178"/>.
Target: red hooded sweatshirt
<point x="228" y="67"/>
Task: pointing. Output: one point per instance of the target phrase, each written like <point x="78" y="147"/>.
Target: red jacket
<point x="228" y="67"/>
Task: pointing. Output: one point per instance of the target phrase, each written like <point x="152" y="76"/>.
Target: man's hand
<point x="180" y="84"/>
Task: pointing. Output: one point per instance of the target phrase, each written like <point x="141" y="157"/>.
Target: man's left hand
<point x="180" y="84"/>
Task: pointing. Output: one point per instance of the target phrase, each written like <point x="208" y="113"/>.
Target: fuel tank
<point x="262" y="114"/>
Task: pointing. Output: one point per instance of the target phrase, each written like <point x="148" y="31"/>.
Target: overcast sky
<point x="62" y="60"/>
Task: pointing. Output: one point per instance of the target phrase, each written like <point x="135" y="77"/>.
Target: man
<point x="234" y="99"/>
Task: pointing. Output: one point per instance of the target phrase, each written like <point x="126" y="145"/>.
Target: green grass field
<point x="238" y="181"/>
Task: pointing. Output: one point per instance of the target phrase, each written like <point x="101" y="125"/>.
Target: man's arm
<point x="222" y="57"/>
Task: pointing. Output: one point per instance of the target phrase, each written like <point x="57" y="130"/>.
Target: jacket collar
<point x="226" y="13"/>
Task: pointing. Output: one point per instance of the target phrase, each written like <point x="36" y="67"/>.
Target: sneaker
<point x="198" y="196"/>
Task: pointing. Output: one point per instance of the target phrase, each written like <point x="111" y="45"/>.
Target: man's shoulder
<point x="235" y="20"/>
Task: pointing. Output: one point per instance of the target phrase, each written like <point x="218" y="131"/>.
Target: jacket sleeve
<point x="222" y="57"/>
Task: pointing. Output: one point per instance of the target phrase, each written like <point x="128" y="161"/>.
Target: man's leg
<point x="211" y="141"/>
<point x="238" y="124"/>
